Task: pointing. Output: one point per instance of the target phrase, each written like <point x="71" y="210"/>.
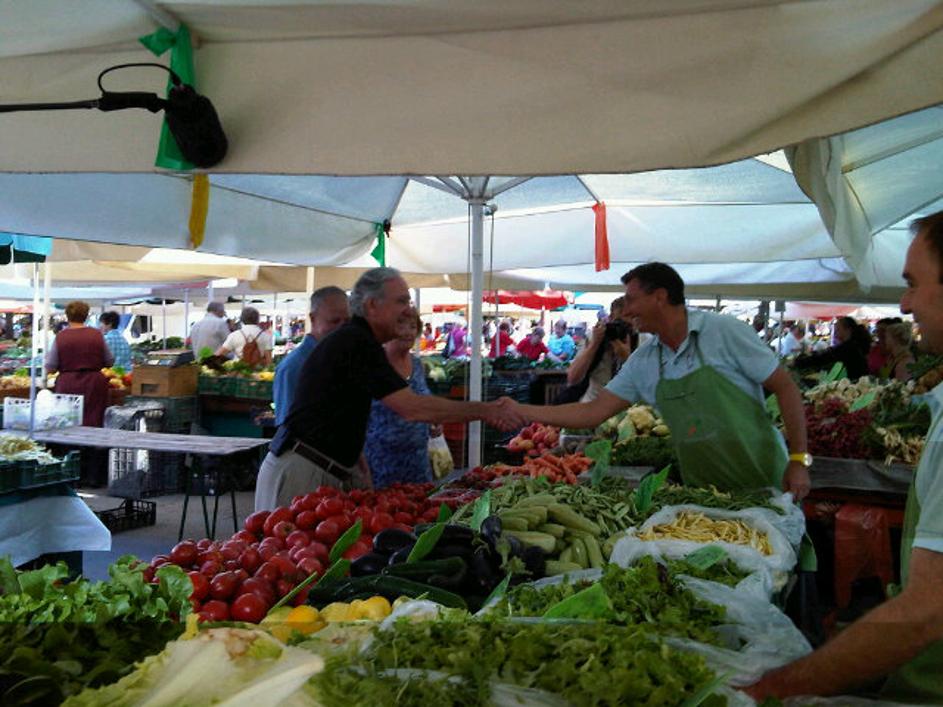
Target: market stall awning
<point x="548" y="299"/>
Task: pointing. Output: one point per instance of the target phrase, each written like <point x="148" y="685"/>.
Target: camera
<point x="617" y="330"/>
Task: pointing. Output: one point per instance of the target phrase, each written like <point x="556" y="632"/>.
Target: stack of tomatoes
<point x="242" y="578"/>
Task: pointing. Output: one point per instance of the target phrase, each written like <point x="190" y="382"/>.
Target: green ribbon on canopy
<point x="181" y="63"/>
<point x="379" y="251"/>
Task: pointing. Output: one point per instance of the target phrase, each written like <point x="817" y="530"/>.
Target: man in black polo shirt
<point x="323" y="435"/>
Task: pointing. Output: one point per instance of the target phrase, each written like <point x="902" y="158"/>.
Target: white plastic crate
<point x="52" y="411"/>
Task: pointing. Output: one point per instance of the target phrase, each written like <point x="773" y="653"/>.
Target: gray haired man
<point x="324" y="432"/>
<point x="211" y="331"/>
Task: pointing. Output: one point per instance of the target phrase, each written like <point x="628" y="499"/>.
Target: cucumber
<point x="399" y="586"/>
<point x="566" y="557"/>
<point x="540" y="499"/>
<point x="553" y="529"/>
<point x="565" y="515"/>
<point x="580" y="556"/>
<point x="509" y="522"/>
<point x="545" y="542"/>
<point x="593" y="550"/>
<point x="558" y="567"/>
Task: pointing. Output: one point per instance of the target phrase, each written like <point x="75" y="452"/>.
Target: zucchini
<point x="565" y="515"/>
<point x="553" y="529"/>
<point x="509" y="522"/>
<point x="545" y="542"/>
<point x="580" y="556"/>
<point x="399" y="586"/>
<point x="559" y="567"/>
<point x="540" y="499"/>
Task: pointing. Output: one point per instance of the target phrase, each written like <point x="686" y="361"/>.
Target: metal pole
<point x="33" y="347"/>
<point x="163" y="312"/>
<point x="186" y="314"/>
<point x="47" y="316"/>
<point x="417" y="302"/>
<point x="478" y="284"/>
<point x="309" y="290"/>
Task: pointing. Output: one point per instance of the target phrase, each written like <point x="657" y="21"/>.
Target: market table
<point x="197" y="445"/>
<point x="47" y="521"/>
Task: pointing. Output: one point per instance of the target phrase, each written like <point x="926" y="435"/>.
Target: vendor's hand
<point x="505" y="414"/>
<point x="796" y="480"/>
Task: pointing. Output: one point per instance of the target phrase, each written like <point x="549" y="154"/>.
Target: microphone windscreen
<point x="193" y="122"/>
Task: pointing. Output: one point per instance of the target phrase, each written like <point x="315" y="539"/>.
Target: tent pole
<point x="417" y="303"/>
<point x="309" y="290"/>
<point x="478" y="283"/>
<point x="34" y="344"/>
<point x="163" y="313"/>
<point x="186" y="314"/>
<point x="47" y="315"/>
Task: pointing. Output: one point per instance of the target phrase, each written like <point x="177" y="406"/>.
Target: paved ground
<point x="159" y="538"/>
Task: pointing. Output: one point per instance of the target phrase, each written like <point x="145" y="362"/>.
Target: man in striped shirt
<point x="117" y="344"/>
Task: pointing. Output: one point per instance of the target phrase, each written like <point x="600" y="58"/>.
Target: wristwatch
<point x="803" y="458"/>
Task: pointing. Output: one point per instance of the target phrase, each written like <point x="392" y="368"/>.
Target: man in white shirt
<point x="793" y="342"/>
<point x="250" y="331"/>
<point x="211" y="331"/>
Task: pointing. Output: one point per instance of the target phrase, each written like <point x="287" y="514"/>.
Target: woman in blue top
<point x="397" y="450"/>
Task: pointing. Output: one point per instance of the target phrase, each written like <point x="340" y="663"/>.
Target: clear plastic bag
<point x="440" y="457"/>
<point x="782" y="560"/>
<point x="759" y="636"/>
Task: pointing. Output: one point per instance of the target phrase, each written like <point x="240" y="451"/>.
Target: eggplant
<point x="535" y="561"/>
<point x="485" y="568"/>
<point x="491" y="529"/>
<point x="400" y="555"/>
<point x="443" y="550"/>
<point x="454" y="532"/>
<point x="388" y="541"/>
<point x="368" y="564"/>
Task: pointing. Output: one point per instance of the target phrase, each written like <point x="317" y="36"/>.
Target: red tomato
<point x="268" y="571"/>
<point x="310" y="501"/>
<point x="356" y="550"/>
<point x="283" y="529"/>
<point x="296" y="506"/>
<point x="283" y="586"/>
<point x="215" y="610"/>
<point x="255" y="523"/>
<point x="310" y="565"/>
<point x="250" y="560"/>
<point x="230" y="565"/>
<point x="249" y="608"/>
<point x="210" y="568"/>
<point x="212" y="554"/>
<point x="403" y="526"/>
<point x="204" y="544"/>
<point x="306" y="520"/>
<point x="278" y="515"/>
<point x="329" y="507"/>
<point x="260" y="587"/>
<point x="343" y="521"/>
<point x="267" y="552"/>
<point x="201" y="585"/>
<point x="223" y="585"/>
<point x="277" y="543"/>
<point x="286" y="568"/>
<point x="196" y="605"/>
<point x="184" y="553"/>
<point x="241" y="575"/>
<point x="327" y="532"/>
<point x="356" y="495"/>
<point x="297" y="537"/>
<point x="381" y="521"/>
<point x="246" y="537"/>
<point x="301" y="597"/>
<point x="148" y="574"/>
<point x="231" y="550"/>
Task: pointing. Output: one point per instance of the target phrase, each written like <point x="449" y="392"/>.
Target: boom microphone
<point x="193" y="122"/>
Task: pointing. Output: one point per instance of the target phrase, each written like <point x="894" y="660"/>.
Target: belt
<point x="322" y="460"/>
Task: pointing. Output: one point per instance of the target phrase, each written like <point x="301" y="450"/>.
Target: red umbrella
<point x="546" y="299"/>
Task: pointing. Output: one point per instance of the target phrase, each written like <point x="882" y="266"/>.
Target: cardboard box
<point x="164" y="381"/>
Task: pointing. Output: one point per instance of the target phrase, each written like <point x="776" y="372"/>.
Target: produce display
<point x="19" y="449"/>
<point x="927" y="373"/>
<point x="866" y="420"/>
<point x="585" y="664"/>
<point x="58" y="636"/>
<point x="534" y="440"/>
<point x="117" y="377"/>
<point x="451" y="370"/>
<point x="521" y="363"/>
<point x="644" y="595"/>
<point x="699" y="528"/>
<point x="17" y="381"/>
<point x="237" y="368"/>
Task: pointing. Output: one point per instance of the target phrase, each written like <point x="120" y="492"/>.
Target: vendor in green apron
<point x="705" y="373"/>
<point x="903" y="637"/>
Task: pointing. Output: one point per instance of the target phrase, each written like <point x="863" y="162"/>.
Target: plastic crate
<point x="179" y="412"/>
<point x="253" y="389"/>
<point x="131" y="472"/>
<point x="18" y="476"/>
<point x="129" y="515"/>
<point x="227" y="386"/>
<point x="52" y="412"/>
<point x="208" y="385"/>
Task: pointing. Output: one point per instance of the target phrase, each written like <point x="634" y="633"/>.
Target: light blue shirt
<point x="562" y="347"/>
<point x="726" y="343"/>
<point x="287" y="376"/>
<point x="928" y="482"/>
<point x="120" y="349"/>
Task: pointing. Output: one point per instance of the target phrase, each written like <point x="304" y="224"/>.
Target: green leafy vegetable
<point x="426" y="542"/>
<point x="343" y="543"/>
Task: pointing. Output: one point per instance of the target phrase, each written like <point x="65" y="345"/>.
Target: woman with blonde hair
<point x="899" y="357"/>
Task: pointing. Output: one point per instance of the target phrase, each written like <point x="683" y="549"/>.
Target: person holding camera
<point x="611" y="343"/>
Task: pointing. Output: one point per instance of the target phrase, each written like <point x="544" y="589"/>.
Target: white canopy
<point x="487" y="87"/>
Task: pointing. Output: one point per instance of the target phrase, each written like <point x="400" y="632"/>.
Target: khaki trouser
<point x="284" y="477"/>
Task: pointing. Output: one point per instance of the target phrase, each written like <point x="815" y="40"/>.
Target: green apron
<point x="920" y="680"/>
<point x="721" y="435"/>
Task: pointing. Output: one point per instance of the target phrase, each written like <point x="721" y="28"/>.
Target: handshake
<point x="505" y="414"/>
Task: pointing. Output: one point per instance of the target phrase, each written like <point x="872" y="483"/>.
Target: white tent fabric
<point x="489" y="87"/>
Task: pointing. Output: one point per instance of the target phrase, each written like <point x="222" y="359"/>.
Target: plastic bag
<point x="782" y="560"/>
<point x="760" y="583"/>
<point x="441" y="457"/>
<point x="760" y="636"/>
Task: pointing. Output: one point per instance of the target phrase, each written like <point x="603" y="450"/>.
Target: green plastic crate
<point x="253" y="389"/>
<point x="16" y="476"/>
<point x="208" y="385"/>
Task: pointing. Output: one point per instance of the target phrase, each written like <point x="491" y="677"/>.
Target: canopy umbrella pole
<point x="478" y="283"/>
<point x="186" y="314"/>
<point x="417" y="303"/>
<point x="309" y="290"/>
<point x="34" y="345"/>
<point x="163" y="314"/>
<point x="47" y="316"/>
